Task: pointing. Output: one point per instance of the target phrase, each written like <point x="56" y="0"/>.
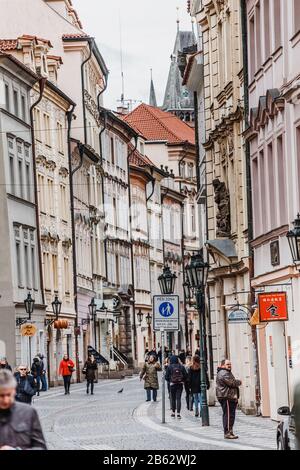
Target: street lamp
<point x="149" y="322"/>
<point x="29" y="307"/>
<point x="149" y="319"/>
<point x="197" y="273"/>
<point x="56" y="307"/>
<point x="293" y="237"/>
<point x="93" y="316"/>
<point x="140" y="316"/>
<point x="167" y="281"/>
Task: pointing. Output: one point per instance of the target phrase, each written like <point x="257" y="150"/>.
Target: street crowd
<point x="183" y="372"/>
<point x="19" y="423"/>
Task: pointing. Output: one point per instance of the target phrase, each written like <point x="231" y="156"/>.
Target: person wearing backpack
<point x="176" y="376"/>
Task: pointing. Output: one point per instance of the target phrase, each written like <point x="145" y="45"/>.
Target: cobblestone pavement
<point x="110" y="420"/>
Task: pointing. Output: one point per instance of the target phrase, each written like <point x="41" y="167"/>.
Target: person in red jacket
<point x="66" y="368"/>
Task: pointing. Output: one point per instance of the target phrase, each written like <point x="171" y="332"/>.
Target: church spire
<point x="152" y="99"/>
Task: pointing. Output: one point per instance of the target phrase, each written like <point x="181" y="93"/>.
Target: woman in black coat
<point x="89" y="370"/>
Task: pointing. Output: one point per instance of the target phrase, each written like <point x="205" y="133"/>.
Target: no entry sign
<point x="166" y="312"/>
<point x="273" y="307"/>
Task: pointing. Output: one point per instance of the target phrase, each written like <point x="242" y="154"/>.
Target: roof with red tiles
<point x="12" y="44"/>
<point x="75" y="35"/>
<point x="154" y="124"/>
<point x="8" y="44"/>
<point x="137" y="159"/>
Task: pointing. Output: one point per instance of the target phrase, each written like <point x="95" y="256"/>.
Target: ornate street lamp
<point x="167" y="281"/>
<point x="29" y="307"/>
<point x="149" y="319"/>
<point x="197" y="273"/>
<point x="56" y="307"/>
<point x="140" y="316"/>
<point x="293" y="237"/>
<point x="93" y="316"/>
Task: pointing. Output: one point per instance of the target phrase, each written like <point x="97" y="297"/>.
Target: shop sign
<point x="28" y="330"/>
<point x="273" y="306"/>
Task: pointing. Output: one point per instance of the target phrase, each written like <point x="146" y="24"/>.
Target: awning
<point x="224" y="247"/>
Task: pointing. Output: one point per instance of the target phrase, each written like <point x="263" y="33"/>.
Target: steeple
<point x="152" y="99"/>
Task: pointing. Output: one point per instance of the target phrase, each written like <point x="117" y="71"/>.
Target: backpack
<point x="177" y="374"/>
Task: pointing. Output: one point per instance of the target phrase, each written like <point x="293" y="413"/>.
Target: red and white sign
<point x="273" y="307"/>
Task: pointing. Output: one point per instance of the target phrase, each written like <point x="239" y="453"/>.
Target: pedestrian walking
<point x="182" y="357"/>
<point x="227" y="391"/>
<point x="4" y="364"/>
<point x="36" y="371"/>
<point x="150" y="377"/>
<point x="188" y="394"/>
<point x="44" y="373"/>
<point x="159" y="355"/>
<point x="176" y="375"/>
<point x="89" y="370"/>
<point x="20" y="427"/>
<point x="153" y="353"/>
<point x="194" y="381"/>
<point x="26" y="385"/>
<point x="66" y="369"/>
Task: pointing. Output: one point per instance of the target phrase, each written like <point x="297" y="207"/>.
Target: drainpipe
<point x="42" y="83"/>
<point x="186" y="326"/>
<point x="131" y="244"/>
<point x="249" y="193"/>
<point x="102" y="179"/>
<point x="91" y="47"/>
<point x="71" y="173"/>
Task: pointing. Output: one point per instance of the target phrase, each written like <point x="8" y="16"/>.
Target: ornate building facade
<point x="226" y="218"/>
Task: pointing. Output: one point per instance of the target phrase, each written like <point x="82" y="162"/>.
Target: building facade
<point x="273" y="33"/>
<point x="220" y="97"/>
<point x="19" y="235"/>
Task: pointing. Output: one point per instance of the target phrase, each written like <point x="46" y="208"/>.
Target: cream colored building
<point x="226" y="217"/>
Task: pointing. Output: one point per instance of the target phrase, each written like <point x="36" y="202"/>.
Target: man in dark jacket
<point x="26" y="385"/>
<point x="4" y="364"/>
<point x="176" y="376"/>
<point x="227" y="391"/>
<point x="20" y="427"/>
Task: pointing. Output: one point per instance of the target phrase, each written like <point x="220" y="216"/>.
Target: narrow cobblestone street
<point x="110" y="420"/>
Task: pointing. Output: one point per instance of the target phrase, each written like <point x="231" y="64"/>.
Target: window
<point x="63" y="202"/>
<point x="25" y="257"/>
<point x="258" y="36"/>
<point x="267" y="28"/>
<point x="252" y="46"/>
<point x="38" y="134"/>
<point x="296" y="16"/>
<point x="193" y="218"/>
<point x="112" y="150"/>
<point x="54" y="273"/>
<point x="50" y="201"/>
<point x="7" y="100"/>
<point x="21" y="179"/>
<point x="16" y="102"/>
<point x="47" y="130"/>
<point x="23" y="107"/>
<point x="277" y="23"/>
<point x="66" y="276"/>
<point x="272" y="183"/>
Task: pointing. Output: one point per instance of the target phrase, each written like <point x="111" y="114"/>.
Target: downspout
<point x="131" y="244"/>
<point x="153" y="181"/>
<point x="103" y="192"/>
<point x="91" y="46"/>
<point x="42" y="83"/>
<point x="249" y="193"/>
<point x="186" y="326"/>
<point x="71" y="173"/>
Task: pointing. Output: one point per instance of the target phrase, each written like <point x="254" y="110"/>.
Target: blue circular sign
<point x="166" y="309"/>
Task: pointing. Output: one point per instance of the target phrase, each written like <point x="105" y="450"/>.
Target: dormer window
<point x="44" y="65"/>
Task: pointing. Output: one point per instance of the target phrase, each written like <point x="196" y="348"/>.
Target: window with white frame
<point x="25" y="256"/>
<point x="20" y="168"/>
<point x="60" y="137"/>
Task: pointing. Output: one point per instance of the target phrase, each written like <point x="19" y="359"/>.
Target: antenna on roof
<point x="121" y="59"/>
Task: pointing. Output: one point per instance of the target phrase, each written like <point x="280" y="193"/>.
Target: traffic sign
<point x="166" y="313"/>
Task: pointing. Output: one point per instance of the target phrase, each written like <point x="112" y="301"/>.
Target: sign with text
<point x="273" y="306"/>
<point x="28" y="330"/>
<point x="166" y="312"/>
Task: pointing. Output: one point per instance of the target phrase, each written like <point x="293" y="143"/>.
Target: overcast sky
<point x="148" y="35"/>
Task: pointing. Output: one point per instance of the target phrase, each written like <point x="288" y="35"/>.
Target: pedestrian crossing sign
<point x="166" y="312"/>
